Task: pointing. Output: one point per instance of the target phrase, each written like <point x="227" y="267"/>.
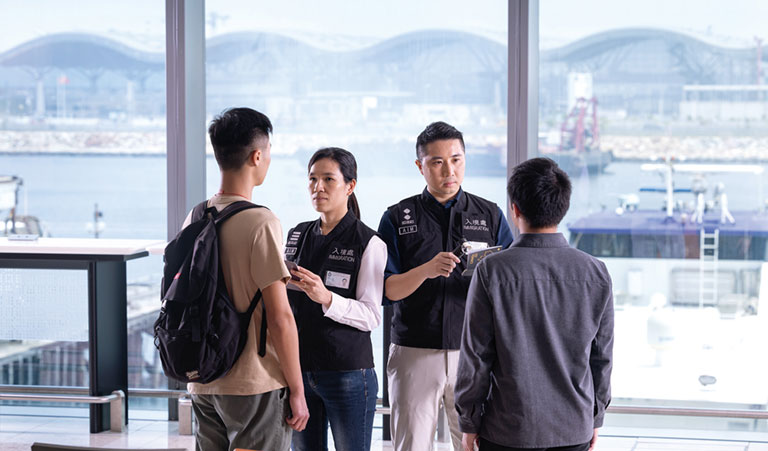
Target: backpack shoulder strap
<point x="199" y="211"/>
<point x="234" y="208"/>
<point x="229" y="211"/>
<point x="263" y="332"/>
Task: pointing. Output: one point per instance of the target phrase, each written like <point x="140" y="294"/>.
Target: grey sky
<point x="732" y="23"/>
<point x="141" y="22"/>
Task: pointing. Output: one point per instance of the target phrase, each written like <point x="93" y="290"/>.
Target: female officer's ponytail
<point x="347" y="166"/>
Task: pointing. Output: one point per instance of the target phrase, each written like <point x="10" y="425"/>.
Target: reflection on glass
<point x="662" y="130"/>
<point x="367" y="77"/>
<point x="82" y="155"/>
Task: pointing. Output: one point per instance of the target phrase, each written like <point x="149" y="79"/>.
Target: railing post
<point x="116" y="412"/>
<point x="185" y="416"/>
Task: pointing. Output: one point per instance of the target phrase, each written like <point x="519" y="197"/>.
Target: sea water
<point x="130" y="191"/>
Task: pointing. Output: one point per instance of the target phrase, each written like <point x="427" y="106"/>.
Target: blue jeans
<point x="346" y="399"/>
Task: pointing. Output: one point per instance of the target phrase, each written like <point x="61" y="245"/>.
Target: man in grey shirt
<point x="537" y="343"/>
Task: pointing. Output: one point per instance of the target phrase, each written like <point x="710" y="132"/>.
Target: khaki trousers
<point x="419" y="380"/>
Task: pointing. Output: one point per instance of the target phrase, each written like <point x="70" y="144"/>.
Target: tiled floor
<point x="18" y="432"/>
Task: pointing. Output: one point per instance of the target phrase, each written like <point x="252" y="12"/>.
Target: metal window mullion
<point x="523" y="84"/>
<point x="185" y="108"/>
<point x="185" y="118"/>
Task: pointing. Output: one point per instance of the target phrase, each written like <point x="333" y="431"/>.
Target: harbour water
<point x="130" y="191"/>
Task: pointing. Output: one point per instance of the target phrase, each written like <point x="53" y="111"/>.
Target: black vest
<point x="324" y="344"/>
<point x="433" y="315"/>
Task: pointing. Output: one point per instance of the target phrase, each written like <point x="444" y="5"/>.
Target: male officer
<point x="428" y="290"/>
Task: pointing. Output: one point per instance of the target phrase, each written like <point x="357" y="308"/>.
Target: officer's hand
<point x="312" y="285"/>
<point x="441" y="264"/>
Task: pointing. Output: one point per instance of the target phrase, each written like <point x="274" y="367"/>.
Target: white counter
<point x="80" y="246"/>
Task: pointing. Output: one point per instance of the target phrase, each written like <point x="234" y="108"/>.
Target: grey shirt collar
<point x="540" y="240"/>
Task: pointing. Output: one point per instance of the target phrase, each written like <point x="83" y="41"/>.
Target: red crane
<point x="580" y="130"/>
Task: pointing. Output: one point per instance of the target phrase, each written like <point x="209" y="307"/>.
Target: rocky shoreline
<point x="144" y="143"/>
<point x="696" y="148"/>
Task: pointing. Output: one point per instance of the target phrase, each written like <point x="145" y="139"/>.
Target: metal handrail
<point x="67" y="390"/>
<point x="71" y="390"/>
<point x="156" y="393"/>
<point x="115" y="400"/>
<point x="52" y="393"/>
<point x="689" y="412"/>
<point x="7" y="390"/>
<point x="103" y="399"/>
<point x="658" y="410"/>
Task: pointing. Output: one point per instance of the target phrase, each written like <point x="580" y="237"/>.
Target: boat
<point x="690" y="285"/>
<point x="710" y="252"/>
<point x="15" y="223"/>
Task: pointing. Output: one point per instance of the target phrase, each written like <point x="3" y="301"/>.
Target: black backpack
<point x="199" y="333"/>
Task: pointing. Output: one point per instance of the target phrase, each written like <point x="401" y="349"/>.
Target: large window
<point x="658" y="112"/>
<point x="368" y="77"/>
<point x="82" y="129"/>
<point x="82" y="155"/>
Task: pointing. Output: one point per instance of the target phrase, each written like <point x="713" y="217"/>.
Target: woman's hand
<point x="312" y="285"/>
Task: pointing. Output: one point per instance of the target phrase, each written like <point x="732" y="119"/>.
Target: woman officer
<point x="340" y="276"/>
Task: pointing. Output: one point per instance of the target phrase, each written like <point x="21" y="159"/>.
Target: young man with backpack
<point x="260" y="399"/>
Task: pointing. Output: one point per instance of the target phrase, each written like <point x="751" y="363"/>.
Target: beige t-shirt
<point x="251" y="252"/>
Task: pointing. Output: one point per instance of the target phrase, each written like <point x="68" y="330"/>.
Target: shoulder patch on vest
<point x="293" y="239"/>
<point x="406" y="218"/>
